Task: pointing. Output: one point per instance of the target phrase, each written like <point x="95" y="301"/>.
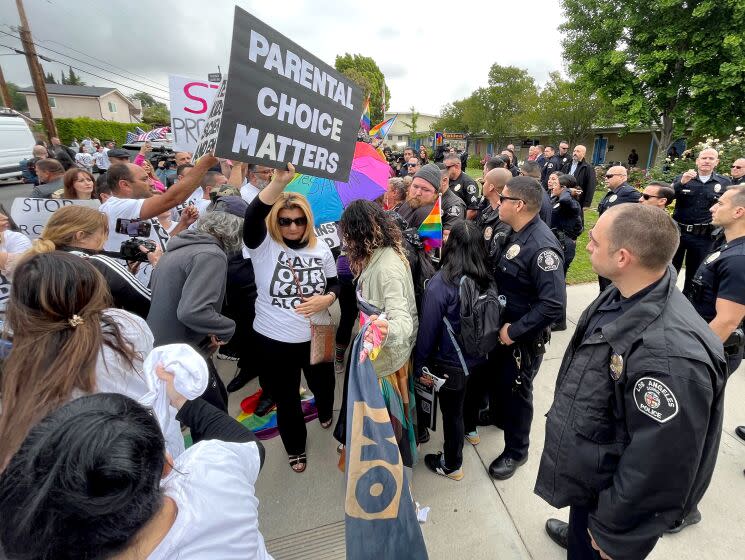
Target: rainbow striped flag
<point x="381" y="129"/>
<point x="431" y="229"/>
<point x="365" y="120"/>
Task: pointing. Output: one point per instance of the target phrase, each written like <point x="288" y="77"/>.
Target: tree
<point x="412" y="126"/>
<point x="566" y="111"/>
<point x="49" y="78"/>
<point x="364" y="71"/>
<point x="73" y="79"/>
<point x="451" y="118"/>
<point x="669" y="65"/>
<point x="145" y="99"/>
<point x="156" y="114"/>
<point x="18" y="99"/>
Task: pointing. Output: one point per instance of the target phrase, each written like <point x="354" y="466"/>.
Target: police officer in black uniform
<point x="530" y="275"/>
<point x="633" y="432"/>
<point x="695" y="192"/>
<point x="551" y="163"/>
<point x="462" y="185"/>
<point x="738" y="171"/>
<point x="566" y="216"/>
<point x="619" y="192"/>
<point x="564" y="156"/>
<point x="493" y="230"/>
<point x="452" y="206"/>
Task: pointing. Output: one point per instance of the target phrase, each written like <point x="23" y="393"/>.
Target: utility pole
<point x="37" y="75"/>
<point x="4" y="90"/>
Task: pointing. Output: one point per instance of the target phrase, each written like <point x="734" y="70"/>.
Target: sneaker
<point x="436" y="463"/>
<point x="473" y="437"/>
<point x="227" y="355"/>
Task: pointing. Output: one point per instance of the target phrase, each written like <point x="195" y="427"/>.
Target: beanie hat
<point x="431" y="174"/>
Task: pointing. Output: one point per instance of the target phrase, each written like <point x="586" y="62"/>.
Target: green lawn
<point x="580" y="270"/>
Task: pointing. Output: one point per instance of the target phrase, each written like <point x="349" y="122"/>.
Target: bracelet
<point x="332" y="294"/>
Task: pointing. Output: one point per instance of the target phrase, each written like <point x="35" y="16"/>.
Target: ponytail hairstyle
<point x="84" y="481"/>
<point x="56" y="312"/>
<point x="64" y="225"/>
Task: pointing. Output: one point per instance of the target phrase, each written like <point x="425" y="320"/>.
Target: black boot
<point x="503" y="467"/>
<point x="690" y="519"/>
<point x="558" y="531"/>
<point x="265" y="405"/>
<point x="239" y="381"/>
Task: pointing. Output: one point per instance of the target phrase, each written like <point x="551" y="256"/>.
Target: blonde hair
<point x="65" y="223"/>
<point x="290" y="201"/>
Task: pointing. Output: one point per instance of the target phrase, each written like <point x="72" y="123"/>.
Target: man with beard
<point x="258" y="178"/>
<point x="584" y="173"/>
<point x="422" y="195"/>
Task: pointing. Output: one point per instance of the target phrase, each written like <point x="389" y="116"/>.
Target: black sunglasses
<point x="502" y="198"/>
<point x="737" y="167"/>
<point x="611" y="175"/>
<point x="287" y="222"/>
<point x="451" y="165"/>
<point x="646" y="196"/>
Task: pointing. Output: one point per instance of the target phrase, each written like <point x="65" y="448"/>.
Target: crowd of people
<point x="216" y="259"/>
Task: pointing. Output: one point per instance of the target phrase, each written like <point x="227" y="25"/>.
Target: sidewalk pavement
<point x="302" y="515"/>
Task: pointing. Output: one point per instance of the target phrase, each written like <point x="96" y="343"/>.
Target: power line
<point x="159" y="88"/>
<point x="97" y="76"/>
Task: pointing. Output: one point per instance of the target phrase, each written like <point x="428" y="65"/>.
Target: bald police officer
<point x="530" y="275"/>
<point x="633" y="433"/>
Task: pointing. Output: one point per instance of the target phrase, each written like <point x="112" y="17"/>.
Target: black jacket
<point x="638" y="451"/>
<point x="624" y="193"/>
<point x="585" y="175"/>
<point x="549" y="166"/>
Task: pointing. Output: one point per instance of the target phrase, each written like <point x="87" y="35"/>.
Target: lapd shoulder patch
<point x="454" y="211"/>
<point x="471" y="189"/>
<point x="654" y="399"/>
<point x="548" y="260"/>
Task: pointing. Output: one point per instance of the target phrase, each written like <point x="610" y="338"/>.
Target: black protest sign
<point x="286" y="105"/>
<point x="208" y="138"/>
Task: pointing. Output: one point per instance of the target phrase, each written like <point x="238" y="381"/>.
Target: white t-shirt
<point x="277" y="292"/>
<point x="130" y="208"/>
<point x="13" y="242"/>
<point x="212" y="484"/>
<point x="201" y="205"/>
<point x="249" y="192"/>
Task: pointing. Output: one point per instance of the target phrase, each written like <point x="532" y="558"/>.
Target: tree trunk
<point x="665" y="139"/>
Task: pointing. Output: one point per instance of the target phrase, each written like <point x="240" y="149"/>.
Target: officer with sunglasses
<point x="619" y="192"/>
<point x="657" y="194"/>
<point x="738" y="172"/>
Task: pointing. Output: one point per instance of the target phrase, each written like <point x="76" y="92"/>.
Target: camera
<point x="130" y="249"/>
<point x="161" y="154"/>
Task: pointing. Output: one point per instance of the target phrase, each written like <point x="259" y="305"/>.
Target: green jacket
<point x="386" y="284"/>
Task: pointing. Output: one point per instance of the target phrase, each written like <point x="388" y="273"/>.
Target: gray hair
<point x="227" y="228"/>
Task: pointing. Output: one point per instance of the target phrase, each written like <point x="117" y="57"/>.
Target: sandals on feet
<point x="298" y="462"/>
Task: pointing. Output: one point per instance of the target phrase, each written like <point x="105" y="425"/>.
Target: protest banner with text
<point x="32" y="214"/>
<point x="284" y="105"/>
<point x="190" y="103"/>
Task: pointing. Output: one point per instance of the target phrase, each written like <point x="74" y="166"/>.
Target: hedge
<point x="83" y="127"/>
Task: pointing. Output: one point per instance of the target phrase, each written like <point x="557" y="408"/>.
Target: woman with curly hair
<point x="384" y="285"/>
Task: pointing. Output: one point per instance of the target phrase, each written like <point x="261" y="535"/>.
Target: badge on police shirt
<point x="454" y="211"/>
<point x="471" y="189"/>
<point x="512" y="252"/>
<point x="456" y="188"/>
<point x="717" y="188"/>
<point x="711" y="258"/>
<point x="616" y="366"/>
<point x="548" y="260"/>
<point x="488" y="231"/>
<point x="655" y="399"/>
<point x="613" y="198"/>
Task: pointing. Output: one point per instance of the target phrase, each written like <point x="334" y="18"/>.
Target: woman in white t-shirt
<point x="295" y="283"/>
<point x="93" y="480"/>
<point x="12" y="245"/>
<point x="68" y="341"/>
<point x="84" y="160"/>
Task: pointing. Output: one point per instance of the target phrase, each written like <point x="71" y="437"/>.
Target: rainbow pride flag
<point x="365" y="120"/>
<point x="381" y="129"/>
<point x="431" y="229"/>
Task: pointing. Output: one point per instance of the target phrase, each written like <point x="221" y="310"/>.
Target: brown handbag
<point x="322" y="337"/>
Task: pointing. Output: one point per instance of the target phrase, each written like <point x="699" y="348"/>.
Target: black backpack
<point x="480" y="312"/>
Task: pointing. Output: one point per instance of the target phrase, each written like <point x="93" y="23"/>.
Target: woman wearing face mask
<point x="78" y="184"/>
<point x="295" y="281"/>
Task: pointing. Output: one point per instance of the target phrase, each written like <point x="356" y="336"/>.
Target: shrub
<point x="82" y="127"/>
<point x="475" y="160"/>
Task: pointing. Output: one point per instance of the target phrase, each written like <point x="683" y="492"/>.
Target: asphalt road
<point x="10" y="190"/>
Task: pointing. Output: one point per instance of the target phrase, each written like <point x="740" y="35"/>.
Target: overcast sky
<point x="430" y="55"/>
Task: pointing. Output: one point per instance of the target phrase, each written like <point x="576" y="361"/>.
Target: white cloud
<point x="429" y="59"/>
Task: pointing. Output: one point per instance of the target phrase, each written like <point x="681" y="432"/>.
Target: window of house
<point x="112" y="107"/>
<point x="52" y="102"/>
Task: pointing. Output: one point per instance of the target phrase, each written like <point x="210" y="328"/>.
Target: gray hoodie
<point x="188" y="288"/>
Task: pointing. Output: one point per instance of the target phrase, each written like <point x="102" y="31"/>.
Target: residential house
<point x="400" y="135"/>
<point x="99" y="103"/>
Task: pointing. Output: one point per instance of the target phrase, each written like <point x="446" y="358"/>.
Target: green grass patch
<point x="580" y="271"/>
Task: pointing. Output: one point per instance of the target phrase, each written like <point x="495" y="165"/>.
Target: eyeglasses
<point x="611" y="175"/>
<point x="646" y="196"/>
<point x="411" y="164"/>
<point x="287" y="222"/>
<point x="737" y="167"/>
<point x="502" y="198"/>
<point x="451" y="165"/>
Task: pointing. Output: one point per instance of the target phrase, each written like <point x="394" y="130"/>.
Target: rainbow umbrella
<point x="368" y="179"/>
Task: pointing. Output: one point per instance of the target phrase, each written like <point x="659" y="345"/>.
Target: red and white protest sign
<point x="190" y="104"/>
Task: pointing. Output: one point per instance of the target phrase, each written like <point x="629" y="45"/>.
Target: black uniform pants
<point x="516" y="399"/>
<point x="693" y="249"/>
<point x="283" y="361"/>
<point x="570" y="250"/>
<point x="578" y="540"/>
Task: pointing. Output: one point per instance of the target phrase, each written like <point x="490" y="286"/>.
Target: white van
<point x="16" y="143"/>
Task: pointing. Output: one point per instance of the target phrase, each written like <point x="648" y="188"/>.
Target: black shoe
<point x="422" y="437"/>
<point x="740" y="431"/>
<point x="504" y="467"/>
<point x="559" y="326"/>
<point x="239" y="381"/>
<point x="690" y="519"/>
<point x="558" y="531"/>
<point x="266" y="404"/>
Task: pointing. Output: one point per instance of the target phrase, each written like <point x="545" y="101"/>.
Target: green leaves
<point x="364" y="71"/>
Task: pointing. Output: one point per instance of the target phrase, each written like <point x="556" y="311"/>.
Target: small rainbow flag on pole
<point x="365" y="120"/>
<point x="431" y="229"/>
<point x="381" y="129"/>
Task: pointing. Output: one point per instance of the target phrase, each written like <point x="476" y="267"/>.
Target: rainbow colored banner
<point x="431" y="229"/>
<point x="365" y="120"/>
<point x="381" y="129"/>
